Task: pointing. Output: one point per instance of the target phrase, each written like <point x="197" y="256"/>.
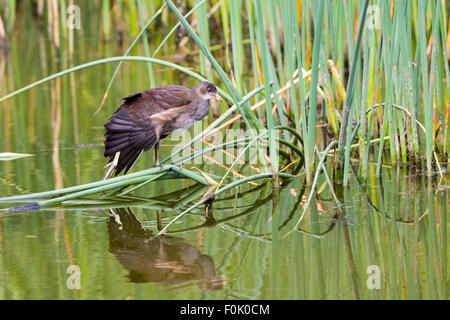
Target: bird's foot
<point x="177" y="169"/>
<point x="110" y="167"/>
<point x="157" y="164"/>
<point x="179" y="165"/>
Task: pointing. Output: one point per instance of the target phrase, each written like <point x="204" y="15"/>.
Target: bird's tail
<point x="127" y="159"/>
<point x="123" y="136"/>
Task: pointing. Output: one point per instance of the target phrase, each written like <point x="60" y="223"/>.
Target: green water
<point x="390" y="241"/>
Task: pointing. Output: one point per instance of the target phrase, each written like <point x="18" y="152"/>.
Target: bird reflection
<point x="162" y="259"/>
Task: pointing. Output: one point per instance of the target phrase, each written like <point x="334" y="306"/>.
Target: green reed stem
<point x="244" y="110"/>
<point x="312" y="114"/>
<point x="127" y="52"/>
<point x="116" y="182"/>
<point x="151" y="74"/>
<point x="218" y="192"/>
<point x="350" y="89"/>
<point x="109" y="60"/>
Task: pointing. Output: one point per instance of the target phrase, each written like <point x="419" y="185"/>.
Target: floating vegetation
<point x="8" y="156"/>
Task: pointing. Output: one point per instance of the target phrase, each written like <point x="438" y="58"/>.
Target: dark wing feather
<point x="131" y="97"/>
<point x="127" y="159"/>
<point x="128" y="136"/>
<point x="130" y="129"/>
<point x="160" y="99"/>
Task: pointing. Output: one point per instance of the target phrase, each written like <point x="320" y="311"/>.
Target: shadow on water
<point x="163" y="259"/>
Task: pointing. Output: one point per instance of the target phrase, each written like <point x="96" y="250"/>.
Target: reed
<point x="2" y="34"/>
<point x="138" y="179"/>
<point x="398" y="57"/>
<point x="394" y="233"/>
<point x="275" y="68"/>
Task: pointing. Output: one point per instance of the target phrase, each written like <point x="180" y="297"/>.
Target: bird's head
<point x="207" y="90"/>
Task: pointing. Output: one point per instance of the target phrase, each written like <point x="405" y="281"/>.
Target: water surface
<point x="389" y="242"/>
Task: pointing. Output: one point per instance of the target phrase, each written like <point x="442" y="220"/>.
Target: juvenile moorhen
<point x="146" y="117"/>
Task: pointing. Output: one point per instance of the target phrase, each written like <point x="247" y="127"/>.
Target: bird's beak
<point x="218" y="98"/>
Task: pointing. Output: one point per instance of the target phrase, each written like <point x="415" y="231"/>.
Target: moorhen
<point x="146" y="117"/>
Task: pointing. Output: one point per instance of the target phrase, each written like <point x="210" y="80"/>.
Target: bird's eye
<point x="209" y="89"/>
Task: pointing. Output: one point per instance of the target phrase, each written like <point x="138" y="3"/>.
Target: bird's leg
<point x="116" y="217"/>
<point x="112" y="165"/>
<point x="156" y="164"/>
<point x="158" y="220"/>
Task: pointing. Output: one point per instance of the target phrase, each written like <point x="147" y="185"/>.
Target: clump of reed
<point x="376" y="77"/>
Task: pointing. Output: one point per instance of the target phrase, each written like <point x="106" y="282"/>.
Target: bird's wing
<point x="136" y="125"/>
<point x="129" y="136"/>
<point x="157" y="100"/>
<point x="124" y="131"/>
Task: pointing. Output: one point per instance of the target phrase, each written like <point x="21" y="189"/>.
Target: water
<point x="389" y="242"/>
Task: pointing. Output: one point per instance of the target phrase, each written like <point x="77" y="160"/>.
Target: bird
<point x="147" y="117"/>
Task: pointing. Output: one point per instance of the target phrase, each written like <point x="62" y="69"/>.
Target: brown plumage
<point x="146" y="117"/>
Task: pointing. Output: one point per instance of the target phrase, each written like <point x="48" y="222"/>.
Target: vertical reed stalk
<point x="427" y="96"/>
<point x="151" y="74"/>
<point x="203" y="28"/>
<point x="11" y="17"/>
<point x="106" y="17"/>
<point x="2" y="34"/>
<point x="349" y="93"/>
<point x="237" y="98"/>
<point x="312" y="114"/>
<point x="236" y="39"/>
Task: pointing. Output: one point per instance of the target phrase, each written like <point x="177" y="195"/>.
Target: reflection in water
<point x="163" y="259"/>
